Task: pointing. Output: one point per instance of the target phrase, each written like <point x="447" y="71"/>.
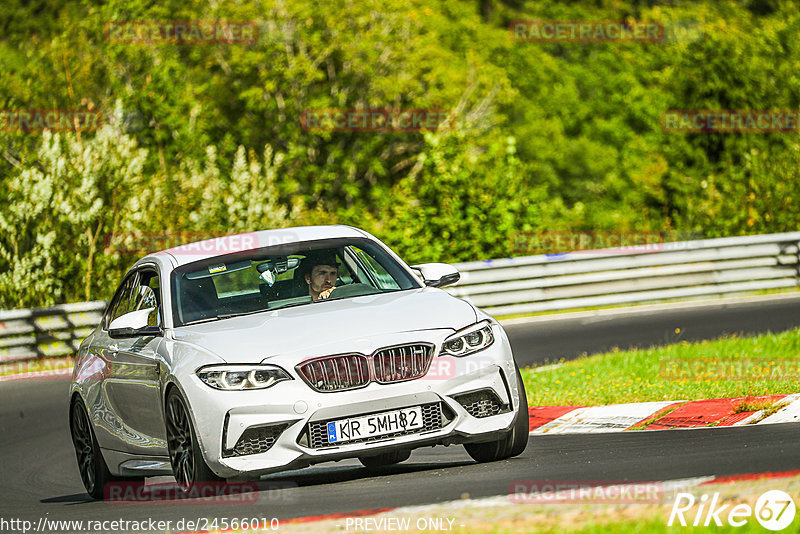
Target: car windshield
<point x="279" y="277"/>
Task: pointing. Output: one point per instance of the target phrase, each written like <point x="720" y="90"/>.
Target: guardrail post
<point x="797" y="265"/>
<point x="796" y="245"/>
<point x="38" y="333"/>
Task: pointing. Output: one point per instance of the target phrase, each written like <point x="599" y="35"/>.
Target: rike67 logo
<point x="774" y="510"/>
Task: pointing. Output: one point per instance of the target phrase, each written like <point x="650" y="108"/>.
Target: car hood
<point x="311" y="328"/>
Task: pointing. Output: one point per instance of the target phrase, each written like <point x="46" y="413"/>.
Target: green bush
<point x="208" y="138"/>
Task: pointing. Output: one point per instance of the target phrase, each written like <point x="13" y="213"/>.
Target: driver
<point x="321" y="274"/>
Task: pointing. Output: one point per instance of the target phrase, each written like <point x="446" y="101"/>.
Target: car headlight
<point x="469" y="341"/>
<point x="238" y="377"/>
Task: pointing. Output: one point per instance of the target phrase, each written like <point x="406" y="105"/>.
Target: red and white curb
<point x="663" y="415"/>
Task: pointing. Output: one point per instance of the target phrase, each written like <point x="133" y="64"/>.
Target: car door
<point x="132" y="416"/>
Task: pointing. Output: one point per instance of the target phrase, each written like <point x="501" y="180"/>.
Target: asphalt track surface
<point x="543" y="341"/>
<point x="40" y="477"/>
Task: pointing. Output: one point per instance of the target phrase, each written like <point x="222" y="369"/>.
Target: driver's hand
<point x="325" y="294"/>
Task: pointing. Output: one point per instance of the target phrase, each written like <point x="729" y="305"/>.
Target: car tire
<point x="91" y="464"/>
<point x="385" y="459"/>
<point x="513" y="442"/>
<point x="188" y="465"/>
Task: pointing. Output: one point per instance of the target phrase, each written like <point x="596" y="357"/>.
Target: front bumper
<point x="283" y="417"/>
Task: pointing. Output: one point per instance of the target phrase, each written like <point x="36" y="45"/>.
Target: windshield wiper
<point x="217" y="317"/>
<point x="199" y="321"/>
<point x="238" y="314"/>
<point x="290" y="305"/>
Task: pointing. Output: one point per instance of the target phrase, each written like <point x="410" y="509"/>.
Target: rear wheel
<point x="188" y="464"/>
<point x="93" y="469"/>
<point x="385" y="459"/>
<point x="513" y="442"/>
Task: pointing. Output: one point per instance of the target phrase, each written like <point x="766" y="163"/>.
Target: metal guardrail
<point x="47" y="332"/>
<point x="630" y="275"/>
<point x="648" y="273"/>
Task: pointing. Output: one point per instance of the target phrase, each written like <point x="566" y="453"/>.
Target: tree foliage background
<point x="208" y="139"/>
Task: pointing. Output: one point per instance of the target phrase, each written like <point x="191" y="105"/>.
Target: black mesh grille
<point x="256" y="440"/>
<point x="432" y="419"/>
<point x="405" y="362"/>
<point x="482" y="403"/>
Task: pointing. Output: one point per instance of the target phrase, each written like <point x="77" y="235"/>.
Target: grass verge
<point x="768" y="364"/>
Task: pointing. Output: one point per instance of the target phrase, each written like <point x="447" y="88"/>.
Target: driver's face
<point x="322" y="277"/>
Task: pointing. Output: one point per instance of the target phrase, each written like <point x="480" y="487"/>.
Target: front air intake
<point x="482" y="403"/>
<point x="256" y="440"/>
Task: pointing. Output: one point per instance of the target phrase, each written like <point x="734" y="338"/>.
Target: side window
<point x="122" y="302"/>
<point x="139" y="291"/>
<point x="345" y="276"/>
<point x="383" y="279"/>
<point x="147" y="295"/>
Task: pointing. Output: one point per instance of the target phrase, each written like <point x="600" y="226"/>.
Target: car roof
<point x="227" y="244"/>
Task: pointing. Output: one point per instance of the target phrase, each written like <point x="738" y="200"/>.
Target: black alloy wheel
<point x="91" y="465"/>
<point x="187" y="461"/>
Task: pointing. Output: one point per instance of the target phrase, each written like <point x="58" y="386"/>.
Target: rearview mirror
<point x="438" y="274"/>
<point x="135" y="323"/>
<point x="274" y="266"/>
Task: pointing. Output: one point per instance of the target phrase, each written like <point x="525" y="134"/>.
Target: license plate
<point x="378" y="424"/>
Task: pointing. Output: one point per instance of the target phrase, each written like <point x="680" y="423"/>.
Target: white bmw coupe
<point x="255" y="353"/>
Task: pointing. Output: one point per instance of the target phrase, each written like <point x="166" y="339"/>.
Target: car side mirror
<point x="438" y="274"/>
<point x="133" y="324"/>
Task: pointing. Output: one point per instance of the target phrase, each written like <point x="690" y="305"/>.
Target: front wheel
<point x="93" y="469"/>
<point x="188" y="464"/>
<point x="513" y="442"/>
